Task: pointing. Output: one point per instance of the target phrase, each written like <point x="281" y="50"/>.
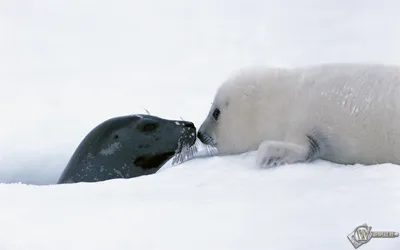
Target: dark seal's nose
<point x="189" y="125"/>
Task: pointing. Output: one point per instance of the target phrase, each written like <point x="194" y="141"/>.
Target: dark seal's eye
<point x="149" y="127"/>
<point x="216" y="114"/>
<point x="146" y="126"/>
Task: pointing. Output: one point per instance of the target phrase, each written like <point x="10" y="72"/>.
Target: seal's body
<point x="344" y="113"/>
<point x="126" y="147"/>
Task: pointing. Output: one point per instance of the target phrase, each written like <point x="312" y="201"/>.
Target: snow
<point x="66" y="66"/>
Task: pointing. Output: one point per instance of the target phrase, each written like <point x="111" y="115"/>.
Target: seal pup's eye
<point x="216" y="113"/>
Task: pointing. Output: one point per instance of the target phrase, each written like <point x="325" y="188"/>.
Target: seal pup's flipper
<point x="276" y="153"/>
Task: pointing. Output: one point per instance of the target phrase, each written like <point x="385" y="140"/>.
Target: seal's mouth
<point x="185" y="141"/>
<point x="189" y="147"/>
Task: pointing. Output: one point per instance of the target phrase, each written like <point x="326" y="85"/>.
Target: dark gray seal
<point x="127" y="147"/>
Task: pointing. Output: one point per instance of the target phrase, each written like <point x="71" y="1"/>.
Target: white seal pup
<point x="343" y="113"/>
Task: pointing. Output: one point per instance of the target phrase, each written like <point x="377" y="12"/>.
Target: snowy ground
<point x="66" y="66"/>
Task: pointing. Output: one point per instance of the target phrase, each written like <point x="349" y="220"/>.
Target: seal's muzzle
<point x="188" y="135"/>
<point x="206" y="138"/>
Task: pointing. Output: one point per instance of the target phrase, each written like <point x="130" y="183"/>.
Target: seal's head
<point x="233" y="122"/>
<point x="161" y="139"/>
<point x="126" y="147"/>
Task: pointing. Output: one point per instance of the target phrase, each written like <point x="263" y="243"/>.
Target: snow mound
<point x="209" y="203"/>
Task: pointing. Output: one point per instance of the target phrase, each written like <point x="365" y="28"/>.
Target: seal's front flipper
<point x="276" y="153"/>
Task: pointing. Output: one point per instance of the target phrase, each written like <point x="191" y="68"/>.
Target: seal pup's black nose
<point x="202" y="137"/>
<point x="206" y="138"/>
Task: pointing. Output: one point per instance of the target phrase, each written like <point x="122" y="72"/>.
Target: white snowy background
<point x="66" y="66"/>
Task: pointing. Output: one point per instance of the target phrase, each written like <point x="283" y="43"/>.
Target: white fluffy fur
<point x="352" y="110"/>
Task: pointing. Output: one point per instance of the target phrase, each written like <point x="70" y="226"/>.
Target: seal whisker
<point x="146" y="110"/>
<point x="186" y="153"/>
